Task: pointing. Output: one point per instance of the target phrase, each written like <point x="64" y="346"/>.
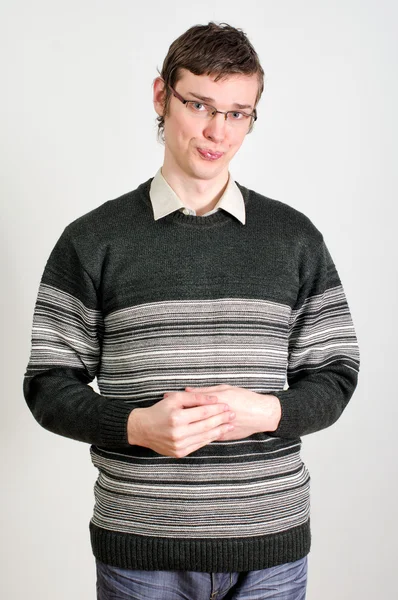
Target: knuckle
<point x="178" y="443"/>
<point x="226" y="428"/>
<point x="173" y="397"/>
<point x="205" y="412"/>
<point x="175" y="419"/>
<point x="202" y="398"/>
<point x="175" y="437"/>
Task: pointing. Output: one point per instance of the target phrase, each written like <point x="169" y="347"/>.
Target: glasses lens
<point x="205" y="111"/>
<point x="199" y="109"/>
<point x="238" y="119"/>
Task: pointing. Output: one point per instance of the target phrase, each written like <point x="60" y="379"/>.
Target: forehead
<point x="237" y="88"/>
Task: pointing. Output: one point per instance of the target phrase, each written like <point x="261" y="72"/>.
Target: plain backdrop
<point x="78" y="128"/>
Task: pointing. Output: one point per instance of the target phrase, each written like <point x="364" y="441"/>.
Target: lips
<point x="209" y="154"/>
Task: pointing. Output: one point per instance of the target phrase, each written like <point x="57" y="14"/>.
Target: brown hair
<point x="220" y="50"/>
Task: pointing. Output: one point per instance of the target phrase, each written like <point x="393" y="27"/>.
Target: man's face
<point x="202" y="148"/>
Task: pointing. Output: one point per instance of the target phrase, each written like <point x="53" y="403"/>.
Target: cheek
<point x="236" y="144"/>
<point x="233" y="142"/>
<point x="184" y="135"/>
<point x="175" y="137"/>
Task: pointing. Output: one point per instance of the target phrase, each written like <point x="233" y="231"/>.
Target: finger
<point x="167" y="394"/>
<point x="196" y="442"/>
<point x="202" y="413"/>
<point x="212" y="388"/>
<point x="204" y="426"/>
<point x="188" y="399"/>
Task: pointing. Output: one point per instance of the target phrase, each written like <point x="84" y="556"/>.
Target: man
<point x="193" y="300"/>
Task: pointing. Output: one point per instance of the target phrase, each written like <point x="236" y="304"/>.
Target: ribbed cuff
<point x="113" y="425"/>
<point x="212" y="556"/>
<point x="291" y="422"/>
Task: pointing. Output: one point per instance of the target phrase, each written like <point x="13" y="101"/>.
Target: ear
<point x="159" y="94"/>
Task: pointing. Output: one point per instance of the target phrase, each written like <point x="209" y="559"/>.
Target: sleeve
<point x="323" y="359"/>
<point x="66" y="352"/>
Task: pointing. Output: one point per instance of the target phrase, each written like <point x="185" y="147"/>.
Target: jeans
<point x="284" y="582"/>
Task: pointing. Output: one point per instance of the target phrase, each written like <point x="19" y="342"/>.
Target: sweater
<point x="151" y="306"/>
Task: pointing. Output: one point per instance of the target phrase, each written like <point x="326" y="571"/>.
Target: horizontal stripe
<point x="322" y="332"/>
<point x="160" y="346"/>
<point x="181" y="471"/>
<point x="64" y="333"/>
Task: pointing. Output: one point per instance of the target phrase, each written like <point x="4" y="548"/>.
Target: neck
<point x="198" y="194"/>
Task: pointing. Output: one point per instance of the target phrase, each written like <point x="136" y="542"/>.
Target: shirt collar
<point x="165" y="201"/>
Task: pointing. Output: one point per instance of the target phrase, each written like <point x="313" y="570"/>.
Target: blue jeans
<point x="284" y="582"/>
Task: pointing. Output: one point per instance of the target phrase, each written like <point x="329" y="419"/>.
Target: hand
<point x="180" y="423"/>
<point x="254" y="413"/>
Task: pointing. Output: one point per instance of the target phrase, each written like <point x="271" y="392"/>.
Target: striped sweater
<point x="153" y="306"/>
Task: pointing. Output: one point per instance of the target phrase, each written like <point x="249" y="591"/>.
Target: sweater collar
<point x="165" y="201"/>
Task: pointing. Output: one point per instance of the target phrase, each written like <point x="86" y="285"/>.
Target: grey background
<point x="78" y="128"/>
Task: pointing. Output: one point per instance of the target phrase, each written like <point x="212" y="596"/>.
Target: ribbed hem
<point x="211" y="556"/>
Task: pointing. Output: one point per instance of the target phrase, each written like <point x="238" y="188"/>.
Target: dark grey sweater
<point x="153" y="306"/>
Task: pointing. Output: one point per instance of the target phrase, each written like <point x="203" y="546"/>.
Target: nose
<point x="215" y="128"/>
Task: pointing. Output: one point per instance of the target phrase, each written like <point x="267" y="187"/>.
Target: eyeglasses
<point x="206" y="111"/>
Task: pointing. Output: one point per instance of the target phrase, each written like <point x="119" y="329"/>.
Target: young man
<point x="193" y="300"/>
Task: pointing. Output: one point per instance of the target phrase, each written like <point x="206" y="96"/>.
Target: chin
<point x="208" y="170"/>
<point x="206" y="174"/>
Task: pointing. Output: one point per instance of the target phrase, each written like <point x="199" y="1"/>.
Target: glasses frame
<point x="252" y="115"/>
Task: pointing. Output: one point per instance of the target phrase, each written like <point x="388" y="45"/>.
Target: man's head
<point x="217" y="50"/>
<point x="210" y="69"/>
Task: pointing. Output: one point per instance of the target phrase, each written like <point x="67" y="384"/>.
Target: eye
<point x="198" y="106"/>
<point x="236" y="116"/>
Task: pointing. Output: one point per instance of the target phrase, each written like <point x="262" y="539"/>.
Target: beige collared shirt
<point x="165" y="201"/>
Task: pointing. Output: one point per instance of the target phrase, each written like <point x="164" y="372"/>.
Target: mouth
<point x="209" y="155"/>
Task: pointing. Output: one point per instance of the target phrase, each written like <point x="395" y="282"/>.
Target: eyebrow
<point x="211" y="100"/>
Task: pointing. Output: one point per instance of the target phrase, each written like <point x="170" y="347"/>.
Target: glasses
<point x="202" y="110"/>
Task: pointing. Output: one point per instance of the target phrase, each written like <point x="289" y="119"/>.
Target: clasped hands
<point x="185" y="421"/>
